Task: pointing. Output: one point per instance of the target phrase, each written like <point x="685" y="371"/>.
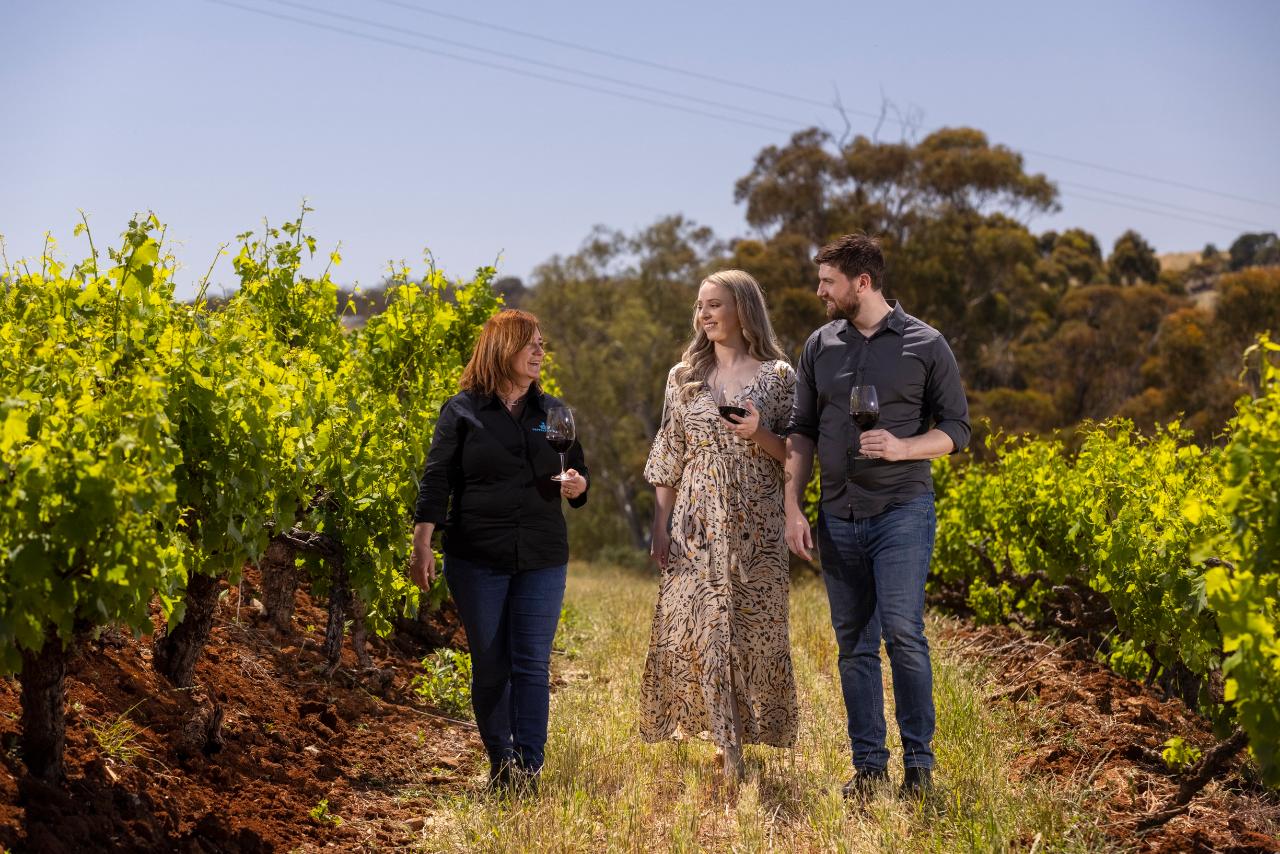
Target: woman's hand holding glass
<point x="745" y="426"/>
<point x="738" y="412"/>
<point x="573" y="485"/>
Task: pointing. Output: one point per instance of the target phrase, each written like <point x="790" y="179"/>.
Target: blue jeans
<point x="875" y="571"/>
<point x="510" y="619"/>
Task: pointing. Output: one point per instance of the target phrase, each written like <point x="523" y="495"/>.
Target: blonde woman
<point x="719" y="655"/>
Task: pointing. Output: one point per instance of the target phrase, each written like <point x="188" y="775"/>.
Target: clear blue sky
<point x="214" y="117"/>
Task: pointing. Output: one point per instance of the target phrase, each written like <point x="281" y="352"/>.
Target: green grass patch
<point x="604" y="789"/>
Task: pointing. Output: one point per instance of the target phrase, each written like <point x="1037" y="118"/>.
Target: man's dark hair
<point x="853" y="255"/>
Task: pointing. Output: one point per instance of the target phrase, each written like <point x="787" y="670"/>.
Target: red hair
<point x="502" y="336"/>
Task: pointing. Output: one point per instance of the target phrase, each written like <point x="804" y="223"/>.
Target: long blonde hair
<point x="762" y="344"/>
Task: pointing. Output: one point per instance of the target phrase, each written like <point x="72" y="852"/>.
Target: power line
<point x="635" y="60"/>
<point x="638" y="98"/>
<point x="1113" y="170"/>
<point x="1235" y="229"/>
<point x="1170" y="205"/>
<point x="522" y="72"/>
<point x="799" y="98"/>
<point x="536" y="62"/>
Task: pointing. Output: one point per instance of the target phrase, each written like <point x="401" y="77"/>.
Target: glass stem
<point x="562" y="465"/>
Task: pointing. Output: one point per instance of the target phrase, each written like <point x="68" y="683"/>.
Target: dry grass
<point x="121" y="738"/>
<point x="605" y="790"/>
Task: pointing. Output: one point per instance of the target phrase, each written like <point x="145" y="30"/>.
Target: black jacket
<point x="488" y="483"/>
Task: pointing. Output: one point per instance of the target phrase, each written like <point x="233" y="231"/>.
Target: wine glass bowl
<point x="864" y="409"/>
<point x="561" y="433"/>
<point x="726" y="404"/>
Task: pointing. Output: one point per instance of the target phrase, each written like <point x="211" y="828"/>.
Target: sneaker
<point x="863" y="785"/>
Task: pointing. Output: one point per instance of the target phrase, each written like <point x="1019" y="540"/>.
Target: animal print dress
<point x="720" y="644"/>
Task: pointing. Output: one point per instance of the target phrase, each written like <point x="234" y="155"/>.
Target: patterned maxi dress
<point x="720" y="640"/>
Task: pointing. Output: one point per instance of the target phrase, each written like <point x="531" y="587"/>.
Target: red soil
<point x="291" y="737"/>
<point x="1104" y="733"/>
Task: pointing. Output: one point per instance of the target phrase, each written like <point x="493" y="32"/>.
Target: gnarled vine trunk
<point x="44" y="724"/>
<point x="340" y="601"/>
<point x="279" y="582"/>
<point x="340" y="595"/>
<point x="180" y="647"/>
<point x="359" y="631"/>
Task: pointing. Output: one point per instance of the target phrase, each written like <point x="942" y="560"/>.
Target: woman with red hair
<point x="489" y="484"/>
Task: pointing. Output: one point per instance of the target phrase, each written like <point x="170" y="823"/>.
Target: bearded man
<point x="876" y="524"/>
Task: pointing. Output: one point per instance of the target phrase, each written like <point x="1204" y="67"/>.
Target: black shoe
<point x="864" y="783"/>
<point x="917" y="783"/>
<point x="526" y="782"/>
<point x="503" y="775"/>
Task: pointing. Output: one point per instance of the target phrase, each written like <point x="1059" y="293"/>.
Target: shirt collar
<point x="897" y="318"/>
<point x="535" y="398"/>
<point x="894" y="321"/>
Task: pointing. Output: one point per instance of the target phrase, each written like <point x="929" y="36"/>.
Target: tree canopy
<point x="1047" y="331"/>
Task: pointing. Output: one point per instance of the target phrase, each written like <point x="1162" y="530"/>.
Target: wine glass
<point x="560" y="434"/>
<point x="725" y="402"/>
<point x="864" y="407"/>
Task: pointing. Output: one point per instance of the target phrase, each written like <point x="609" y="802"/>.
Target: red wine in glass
<point x="864" y="407"/>
<point x="560" y="434"/>
<point x="726" y="408"/>
<point x="866" y="420"/>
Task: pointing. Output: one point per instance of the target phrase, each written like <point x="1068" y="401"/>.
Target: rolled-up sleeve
<point x="804" y="410"/>
<point x="437" y="481"/>
<point x="945" y="398"/>
<point x="666" y="457"/>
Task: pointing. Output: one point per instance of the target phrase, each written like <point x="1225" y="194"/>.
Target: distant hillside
<point x="1177" y="262"/>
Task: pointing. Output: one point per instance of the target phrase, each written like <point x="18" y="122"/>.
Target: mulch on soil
<point x="1104" y="733"/>
<point x="292" y="737"/>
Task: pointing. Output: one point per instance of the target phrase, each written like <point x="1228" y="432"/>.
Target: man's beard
<point x="847" y="310"/>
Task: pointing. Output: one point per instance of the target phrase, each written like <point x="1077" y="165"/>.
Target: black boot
<point x="526" y="783"/>
<point x="503" y="774"/>
<point x="918" y="785"/>
<point x="864" y="783"/>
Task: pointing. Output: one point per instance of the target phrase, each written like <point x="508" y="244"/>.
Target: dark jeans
<point x="875" y="571"/>
<point x="510" y="619"/>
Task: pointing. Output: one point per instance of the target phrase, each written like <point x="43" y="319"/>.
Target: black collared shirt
<point x="488" y="482"/>
<point x="918" y="384"/>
